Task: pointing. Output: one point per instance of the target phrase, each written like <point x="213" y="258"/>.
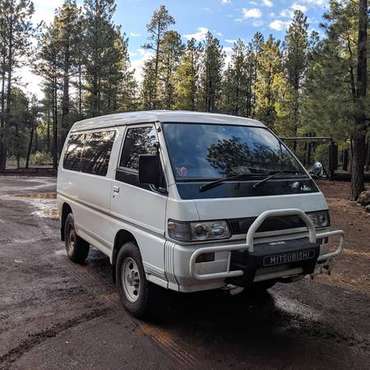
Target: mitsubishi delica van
<point x="190" y="202"/>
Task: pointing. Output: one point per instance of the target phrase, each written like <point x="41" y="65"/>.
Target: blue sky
<point x="227" y="19"/>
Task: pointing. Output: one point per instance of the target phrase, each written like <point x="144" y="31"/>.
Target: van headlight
<point x="320" y="218"/>
<point x="198" y="231"/>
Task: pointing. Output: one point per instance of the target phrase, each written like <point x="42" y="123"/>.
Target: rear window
<point x="90" y="152"/>
<point x="72" y="156"/>
<point x="97" y="150"/>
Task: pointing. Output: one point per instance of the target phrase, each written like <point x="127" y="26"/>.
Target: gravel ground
<point x="57" y="315"/>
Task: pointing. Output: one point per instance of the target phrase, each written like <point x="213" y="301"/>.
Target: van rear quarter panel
<point x="89" y="197"/>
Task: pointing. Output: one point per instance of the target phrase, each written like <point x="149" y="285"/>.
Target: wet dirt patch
<point x="50" y="195"/>
<point x="44" y="204"/>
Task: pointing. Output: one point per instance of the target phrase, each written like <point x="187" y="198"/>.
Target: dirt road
<point x="57" y="315"/>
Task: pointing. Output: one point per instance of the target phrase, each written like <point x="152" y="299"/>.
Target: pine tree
<point x="211" y="75"/>
<point x="78" y="81"/>
<point x="15" y="41"/>
<point x="270" y="81"/>
<point x="128" y="100"/>
<point x="67" y="26"/>
<point x="172" y="49"/>
<point x="149" y="85"/>
<point x="187" y="77"/>
<point x="331" y="101"/>
<point x="111" y="80"/>
<point x="361" y="116"/>
<point x="157" y="27"/>
<point x="47" y="65"/>
<point x="296" y="54"/>
<point x="254" y="50"/>
<point x="99" y="52"/>
<point x="238" y="80"/>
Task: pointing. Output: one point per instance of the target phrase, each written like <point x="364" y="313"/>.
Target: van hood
<point x="228" y="208"/>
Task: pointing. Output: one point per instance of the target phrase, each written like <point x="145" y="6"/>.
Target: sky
<point x="227" y="19"/>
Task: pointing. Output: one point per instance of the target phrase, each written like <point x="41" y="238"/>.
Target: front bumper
<point x="242" y="263"/>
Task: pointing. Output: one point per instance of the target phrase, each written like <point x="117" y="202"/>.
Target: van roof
<point x="119" y="119"/>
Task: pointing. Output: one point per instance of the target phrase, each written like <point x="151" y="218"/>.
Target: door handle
<point x="116" y="189"/>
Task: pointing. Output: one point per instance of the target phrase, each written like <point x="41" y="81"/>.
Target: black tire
<point x="77" y="249"/>
<point x="139" y="298"/>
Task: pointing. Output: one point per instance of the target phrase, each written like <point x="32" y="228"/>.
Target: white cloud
<point x="257" y="23"/>
<point x="279" y="25"/>
<point x="134" y="34"/>
<point x="251" y="13"/>
<point x="138" y="64"/>
<point x="320" y="3"/>
<point x="230" y="41"/>
<point x="289" y="13"/>
<point x="301" y="7"/>
<point x="228" y="52"/>
<point x="45" y="10"/>
<point x="198" y="36"/>
<point x="267" y="3"/>
<point x="224" y="2"/>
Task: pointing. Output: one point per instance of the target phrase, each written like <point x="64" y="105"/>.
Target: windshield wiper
<point x="271" y="176"/>
<point x="213" y="184"/>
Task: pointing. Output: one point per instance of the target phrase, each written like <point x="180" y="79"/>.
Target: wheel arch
<point x="122" y="237"/>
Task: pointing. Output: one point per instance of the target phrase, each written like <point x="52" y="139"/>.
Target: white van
<point x="190" y="202"/>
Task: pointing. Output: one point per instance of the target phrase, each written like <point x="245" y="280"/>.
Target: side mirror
<point x="317" y="170"/>
<point x="149" y="169"/>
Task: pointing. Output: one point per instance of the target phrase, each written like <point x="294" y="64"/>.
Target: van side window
<point x="72" y="156"/>
<point x="97" y="150"/>
<point x="139" y="140"/>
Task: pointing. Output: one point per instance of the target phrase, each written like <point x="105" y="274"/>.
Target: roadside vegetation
<point x="306" y="84"/>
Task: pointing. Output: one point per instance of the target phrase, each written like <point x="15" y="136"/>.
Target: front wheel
<point x="135" y="291"/>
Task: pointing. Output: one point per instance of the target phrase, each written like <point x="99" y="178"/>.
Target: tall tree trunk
<point x="158" y="43"/>
<point x="10" y="70"/>
<point x="65" y="102"/>
<point x="48" y="128"/>
<point x="18" y="154"/>
<point x="30" y="144"/>
<point x="36" y="141"/>
<point x="359" y="137"/>
<point x="55" y="125"/>
<point x="2" y="120"/>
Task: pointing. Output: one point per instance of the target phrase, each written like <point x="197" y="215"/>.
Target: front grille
<point x="242" y="225"/>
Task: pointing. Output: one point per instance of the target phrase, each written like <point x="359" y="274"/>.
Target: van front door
<point x="140" y="207"/>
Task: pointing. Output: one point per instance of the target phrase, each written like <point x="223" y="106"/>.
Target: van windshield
<point x="200" y="152"/>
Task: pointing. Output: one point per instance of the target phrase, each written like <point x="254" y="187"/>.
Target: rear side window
<point x="97" y="150"/>
<point x="139" y="140"/>
<point x="72" y="156"/>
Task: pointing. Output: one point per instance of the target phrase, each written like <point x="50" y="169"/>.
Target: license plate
<point x="289" y="257"/>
